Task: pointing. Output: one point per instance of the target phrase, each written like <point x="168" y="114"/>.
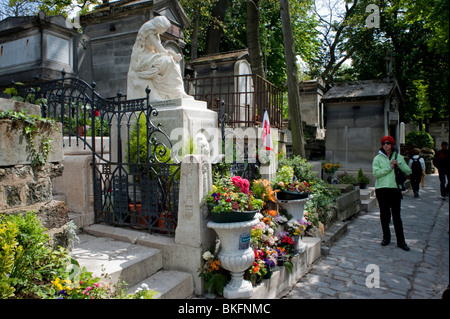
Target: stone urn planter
<point x="236" y="255"/>
<point x="295" y="208"/>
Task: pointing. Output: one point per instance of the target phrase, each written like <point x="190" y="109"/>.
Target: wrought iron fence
<point x="136" y="183"/>
<point x="245" y="98"/>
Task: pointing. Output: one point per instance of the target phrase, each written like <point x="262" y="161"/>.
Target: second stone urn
<point x="236" y="255"/>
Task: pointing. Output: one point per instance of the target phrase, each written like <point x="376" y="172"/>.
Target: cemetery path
<point x="358" y="267"/>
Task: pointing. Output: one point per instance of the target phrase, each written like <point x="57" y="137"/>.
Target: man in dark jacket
<point x="441" y="161"/>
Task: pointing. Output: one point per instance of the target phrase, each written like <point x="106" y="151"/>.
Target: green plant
<point x="34" y="126"/>
<point x="302" y="169"/>
<point x="347" y="179"/>
<point x="420" y="139"/>
<point x="322" y="203"/>
<point x="286" y="180"/>
<point x="143" y="292"/>
<point x="159" y="152"/>
<point x="8" y="244"/>
<point x="215" y="276"/>
<point x="28" y="262"/>
<point x="362" y="179"/>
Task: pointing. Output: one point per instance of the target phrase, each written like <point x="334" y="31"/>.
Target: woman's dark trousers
<point x="389" y="201"/>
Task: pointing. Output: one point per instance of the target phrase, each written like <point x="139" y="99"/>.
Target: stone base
<point x="238" y="288"/>
<point x="186" y="118"/>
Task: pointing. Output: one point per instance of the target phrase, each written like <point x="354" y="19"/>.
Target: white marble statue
<point x="153" y="66"/>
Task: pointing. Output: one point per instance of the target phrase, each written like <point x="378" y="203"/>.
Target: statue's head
<point x="158" y="24"/>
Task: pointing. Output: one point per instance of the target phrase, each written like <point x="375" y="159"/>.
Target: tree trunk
<point x="254" y="47"/>
<point x="214" y="33"/>
<point x="292" y="80"/>
<point x="195" y="29"/>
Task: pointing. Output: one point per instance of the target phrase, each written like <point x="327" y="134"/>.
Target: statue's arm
<point x="156" y="42"/>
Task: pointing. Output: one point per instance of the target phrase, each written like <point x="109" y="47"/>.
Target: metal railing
<point x="245" y="98"/>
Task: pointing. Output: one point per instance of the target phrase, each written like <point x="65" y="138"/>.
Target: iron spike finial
<point x="147" y="90"/>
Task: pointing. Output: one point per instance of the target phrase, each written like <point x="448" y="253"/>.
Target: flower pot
<point x="295" y="208"/>
<point x="143" y="220"/>
<point x="233" y="217"/>
<point x="161" y="222"/>
<point x="80" y="130"/>
<point x="236" y="255"/>
<point x="290" y="195"/>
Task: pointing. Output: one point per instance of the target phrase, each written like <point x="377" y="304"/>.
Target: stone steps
<point x="124" y="260"/>
<point x="368" y="200"/>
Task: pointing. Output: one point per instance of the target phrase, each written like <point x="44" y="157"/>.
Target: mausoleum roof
<point x="361" y="90"/>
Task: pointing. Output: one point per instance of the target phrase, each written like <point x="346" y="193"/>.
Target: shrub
<point x="302" y="169"/>
<point x="420" y="139"/>
<point x="30" y="268"/>
<point x="347" y="179"/>
<point x="28" y="263"/>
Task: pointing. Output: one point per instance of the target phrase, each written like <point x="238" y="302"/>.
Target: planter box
<point x="15" y="147"/>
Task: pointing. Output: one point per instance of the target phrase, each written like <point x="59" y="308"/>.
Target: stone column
<point x="192" y="236"/>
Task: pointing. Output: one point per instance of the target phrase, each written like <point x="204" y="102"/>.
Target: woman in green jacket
<point x="387" y="191"/>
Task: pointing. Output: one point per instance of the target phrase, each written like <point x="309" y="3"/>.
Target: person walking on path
<point x="387" y="192"/>
<point x="417" y="165"/>
<point x="441" y="161"/>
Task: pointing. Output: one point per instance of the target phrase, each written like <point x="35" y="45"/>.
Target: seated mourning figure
<point x="153" y="66"/>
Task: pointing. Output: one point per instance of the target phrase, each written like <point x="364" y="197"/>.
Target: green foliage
<point x="159" y="152"/>
<point x="347" y="179"/>
<point x="271" y="37"/>
<point x="34" y="126"/>
<point x="31" y="268"/>
<point x="302" y="169"/>
<point x="420" y="139"/>
<point x="362" y="179"/>
<point x="30" y="261"/>
<point x="417" y="35"/>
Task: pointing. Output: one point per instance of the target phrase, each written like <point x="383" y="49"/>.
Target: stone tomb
<point x="359" y="114"/>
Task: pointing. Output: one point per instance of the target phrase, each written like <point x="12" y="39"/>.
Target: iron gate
<point x="135" y="184"/>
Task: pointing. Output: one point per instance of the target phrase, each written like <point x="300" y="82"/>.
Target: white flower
<point x="207" y="255"/>
<point x="270" y="230"/>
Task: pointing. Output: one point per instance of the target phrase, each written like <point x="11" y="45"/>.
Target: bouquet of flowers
<point x="330" y="168"/>
<point x="285" y="180"/>
<point x="232" y="194"/>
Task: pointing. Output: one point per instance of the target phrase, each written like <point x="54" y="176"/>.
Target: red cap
<point x="388" y="138"/>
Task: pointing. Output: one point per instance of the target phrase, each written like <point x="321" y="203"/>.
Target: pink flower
<point x="242" y="183"/>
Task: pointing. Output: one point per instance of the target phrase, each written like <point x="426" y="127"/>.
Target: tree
<point x="215" y="29"/>
<point x="333" y="22"/>
<point x="417" y="35"/>
<point x="15" y="8"/>
<point x="254" y="44"/>
<point x="292" y="80"/>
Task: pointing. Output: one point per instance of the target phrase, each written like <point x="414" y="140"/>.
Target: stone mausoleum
<point x="358" y="115"/>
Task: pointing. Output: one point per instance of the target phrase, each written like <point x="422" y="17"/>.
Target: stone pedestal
<point x="185" y="119"/>
<point x="236" y="255"/>
<point x="295" y="208"/>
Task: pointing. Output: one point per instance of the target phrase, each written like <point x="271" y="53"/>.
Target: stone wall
<point x="24" y="187"/>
